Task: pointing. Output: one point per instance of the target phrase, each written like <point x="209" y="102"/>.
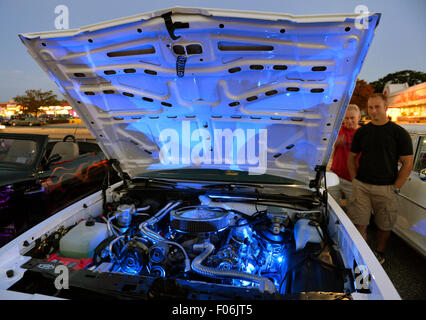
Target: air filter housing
<point x="199" y="219"/>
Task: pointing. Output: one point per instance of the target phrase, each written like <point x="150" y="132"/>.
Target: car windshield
<point x="231" y="176"/>
<point x="18" y="152"/>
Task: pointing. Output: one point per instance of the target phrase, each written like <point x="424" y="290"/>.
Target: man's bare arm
<point x="404" y="171"/>
<point x="352" y="164"/>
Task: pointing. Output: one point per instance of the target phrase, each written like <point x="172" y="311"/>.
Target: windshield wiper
<point x="162" y="182"/>
<point x="232" y="186"/>
<point x="275" y="200"/>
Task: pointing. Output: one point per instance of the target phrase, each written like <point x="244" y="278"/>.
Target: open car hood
<point x="165" y="89"/>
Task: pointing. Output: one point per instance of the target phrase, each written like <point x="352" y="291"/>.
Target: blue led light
<point x="130" y="266"/>
<point x="250" y="268"/>
<point x="245" y="283"/>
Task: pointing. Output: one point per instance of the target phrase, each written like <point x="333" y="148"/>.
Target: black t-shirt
<point x="380" y="148"/>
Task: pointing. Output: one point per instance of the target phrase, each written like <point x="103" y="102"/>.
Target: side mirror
<point x="422" y="174"/>
<point x="332" y="179"/>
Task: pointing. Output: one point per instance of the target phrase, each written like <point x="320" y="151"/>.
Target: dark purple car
<point x="39" y="177"/>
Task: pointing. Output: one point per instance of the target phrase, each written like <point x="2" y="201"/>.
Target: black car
<point x="39" y="177"/>
<point x="26" y="121"/>
<point x="4" y="121"/>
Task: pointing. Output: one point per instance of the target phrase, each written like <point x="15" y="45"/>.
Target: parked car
<point x="26" y="121"/>
<point x="46" y="117"/>
<point x="196" y="217"/>
<point x="16" y="117"/>
<point x="60" y="118"/>
<point x="39" y="177"/>
<point x="411" y="222"/>
<point x="4" y="121"/>
<point x="64" y="116"/>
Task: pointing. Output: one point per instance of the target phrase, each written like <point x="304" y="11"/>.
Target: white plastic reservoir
<point x="305" y="231"/>
<point x="81" y="241"/>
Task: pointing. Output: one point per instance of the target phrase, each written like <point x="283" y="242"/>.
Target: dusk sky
<point x="399" y="43"/>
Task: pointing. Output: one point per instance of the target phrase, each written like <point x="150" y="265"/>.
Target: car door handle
<point x="411" y="200"/>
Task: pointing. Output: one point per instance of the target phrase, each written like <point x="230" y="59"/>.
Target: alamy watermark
<point x="62" y="20"/>
<point x="62" y="280"/>
<point x="362" y="278"/>
<point x="362" y="21"/>
<point x="224" y="147"/>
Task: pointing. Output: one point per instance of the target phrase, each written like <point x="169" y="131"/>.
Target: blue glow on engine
<point x="130" y="265"/>
<point x="250" y="268"/>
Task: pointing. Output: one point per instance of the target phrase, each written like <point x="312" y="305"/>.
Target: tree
<point x="34" y="99"/>
<point x="361" y="93"/>
<point x="409" y="76"/>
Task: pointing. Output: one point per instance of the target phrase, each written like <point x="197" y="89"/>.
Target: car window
<point x="420" y="160"/>
<point x="16" y="151"/>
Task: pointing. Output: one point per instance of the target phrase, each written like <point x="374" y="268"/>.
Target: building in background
<point x="8" y="109"/>
<point x="64" y="109"/>
<point x="406" y="104"/>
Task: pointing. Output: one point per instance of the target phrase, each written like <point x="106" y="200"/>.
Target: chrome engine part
<point x="223" y="246"/>
<point x="212" y="243"/>
<point x="199" y="219"/>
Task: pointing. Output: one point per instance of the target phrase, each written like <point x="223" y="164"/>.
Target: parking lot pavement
<point x="55" y="131"/>
<point x="405" y="267"/>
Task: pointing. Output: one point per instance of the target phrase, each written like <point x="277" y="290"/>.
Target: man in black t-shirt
<point x="375" y="184"/>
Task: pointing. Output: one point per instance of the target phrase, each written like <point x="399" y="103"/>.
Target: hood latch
<point x="172" y="26"/>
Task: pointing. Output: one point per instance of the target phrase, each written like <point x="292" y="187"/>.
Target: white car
<point x="220" y="124"/>
<point x="411" y="222"/>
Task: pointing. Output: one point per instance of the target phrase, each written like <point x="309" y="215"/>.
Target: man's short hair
<point x="353" y="107"/>
<point x="380" y="95"/>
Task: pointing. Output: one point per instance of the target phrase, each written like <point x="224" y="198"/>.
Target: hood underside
<point x="205" y="88"/>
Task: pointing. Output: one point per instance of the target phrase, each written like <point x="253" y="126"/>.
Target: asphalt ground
<point x="55" y="131"/>
<point x="405" y="267"/>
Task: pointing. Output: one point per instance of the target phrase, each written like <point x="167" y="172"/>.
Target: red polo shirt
<point x="340" y="155"/>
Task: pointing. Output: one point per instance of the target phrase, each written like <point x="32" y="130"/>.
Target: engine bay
<point x="154" y="243"/>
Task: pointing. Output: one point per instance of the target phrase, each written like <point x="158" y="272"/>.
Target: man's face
<point x="377" y="110"/>
<point x="351" y="119"/>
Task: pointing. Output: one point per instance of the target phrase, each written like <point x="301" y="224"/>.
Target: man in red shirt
<point x="342" y="148"/>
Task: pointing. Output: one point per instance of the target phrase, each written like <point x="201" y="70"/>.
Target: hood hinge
<point x="320" y="172"/>
<point x="115" y="164"/>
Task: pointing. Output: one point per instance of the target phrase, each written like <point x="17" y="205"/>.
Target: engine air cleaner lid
<point x="199" y="219"/>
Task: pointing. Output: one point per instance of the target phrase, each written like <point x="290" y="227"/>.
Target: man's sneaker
<point x="380" y="257"/>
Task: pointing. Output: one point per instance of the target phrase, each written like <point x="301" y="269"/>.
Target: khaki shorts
<point x="342" y="191"/>
<point x="366" y="198"/>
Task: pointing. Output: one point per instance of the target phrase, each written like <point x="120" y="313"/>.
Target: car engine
<point x="222" y="248"/>
<point x="217" y="244"/>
